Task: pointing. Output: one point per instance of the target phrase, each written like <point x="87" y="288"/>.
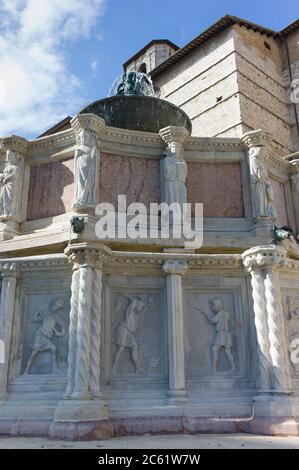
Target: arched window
<point x="142" y="68"/>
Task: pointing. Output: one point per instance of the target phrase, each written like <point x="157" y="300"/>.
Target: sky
<point x="56" y="56"/>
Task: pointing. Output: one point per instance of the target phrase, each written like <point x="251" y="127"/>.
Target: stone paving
<point x="199" y="441"/>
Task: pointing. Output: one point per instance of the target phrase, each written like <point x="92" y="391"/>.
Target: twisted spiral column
<point x="276" y="331"/>
<point x="95" y="333"/>
<point x="73" y="332"/>
<point x="261" y="325"/>
<point x="83" y="333"/>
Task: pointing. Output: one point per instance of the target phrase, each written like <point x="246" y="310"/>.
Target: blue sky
<point x="58" y="55"/>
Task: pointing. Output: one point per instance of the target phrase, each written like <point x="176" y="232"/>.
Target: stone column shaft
<point x="81" y="389"/>
<point x="177" y="385"/>
<point x="7" y="306"/>
<point x="260" y="319"/>
<point x="73" y="332"/>
<point x="276" y="332"/>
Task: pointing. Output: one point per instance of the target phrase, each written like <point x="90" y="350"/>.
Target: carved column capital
<point x="174" y="137"/>
<point x="257" y="138"/>
<point x="14" y="143"/>
<point x="86" y="255"/>
<point x="175" y="267"/>
<point x="264" y="257"/>
<point x="90" y="122"/>
<point x="9" y="270"/>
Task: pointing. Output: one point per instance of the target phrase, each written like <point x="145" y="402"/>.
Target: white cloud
<point x="37" y="88"/>
<point x="94" y="65"/>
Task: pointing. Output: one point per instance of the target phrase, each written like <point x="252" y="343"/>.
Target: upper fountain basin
<point x="139" y="113"/>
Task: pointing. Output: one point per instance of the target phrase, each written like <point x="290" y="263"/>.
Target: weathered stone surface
<point x="218" y="186"/>
<point x="51" y="189"/>
<point x="136" y="177"/>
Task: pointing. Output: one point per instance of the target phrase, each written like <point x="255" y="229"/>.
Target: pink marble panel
<point x="137" y="178"/>
<point x="218" y="186"/>
<point x="280" y="203"/>
<point x="51" y="190"/>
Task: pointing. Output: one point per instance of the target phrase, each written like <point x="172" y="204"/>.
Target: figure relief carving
<point x="222" y="322"/>
<point x="51" y="326"/>
<point x="292" y="330"/>
<point x="262" y="192"/>
<point x="86" y="161"/>
<point x="11" y="186"/>
<point x="125" y="336"/>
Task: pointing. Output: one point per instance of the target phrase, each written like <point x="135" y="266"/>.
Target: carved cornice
<point x="157" y="259"/>
<point x="128" y="137"/>
<point x="55" y="142"/>
<point x="257" y="138"/>
<point x="278" y="162"/>
<point x="175" y="267"/>
<point x="87" y="255"/>
<point x="214" y="144"/>
<point x="35" y="262"/>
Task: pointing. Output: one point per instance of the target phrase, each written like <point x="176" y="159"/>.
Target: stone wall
<point x="218" y="186"/>
<point x="204" y="85"/>
<point x="136" y="177"/>
<point x="236" y="82"/>
<point x="51" y="190"/>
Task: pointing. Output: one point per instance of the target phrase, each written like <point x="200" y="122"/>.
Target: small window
<point x="267" y="45"/>
<point x="142" y="68"/>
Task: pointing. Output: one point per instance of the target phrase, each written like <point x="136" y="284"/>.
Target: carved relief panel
<point x="135" y="346"/>
<point x="45" y="334"/>
<point x="291" y="314"/>
<point x="216" y="331"/>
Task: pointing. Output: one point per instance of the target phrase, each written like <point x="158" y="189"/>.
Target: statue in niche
<point x="222" y="321"/>
<point x="175" y="175"/>
<point x="292" y="328"/>
<point x="10" y="185"/>
<point x="125" y="333"/>
<point x="51" y="326"/>
<point x="86" y="156"/>
<point x="262" y="192"/>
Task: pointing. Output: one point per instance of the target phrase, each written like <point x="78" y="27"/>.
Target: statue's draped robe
<point x="175" y="174"/>
<point x="9" y="190"/>
<point x="85" y="174"/>
<point x="261" y="189"/>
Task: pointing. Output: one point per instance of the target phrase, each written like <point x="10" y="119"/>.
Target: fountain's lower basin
<point x="139" y="113"/>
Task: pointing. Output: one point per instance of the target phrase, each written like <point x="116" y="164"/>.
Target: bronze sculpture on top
<point x="133" y="105"/>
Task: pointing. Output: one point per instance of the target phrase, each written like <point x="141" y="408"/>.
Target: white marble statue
<point x="51" y="326"/>
<point x="175" y="174"/>
<point x="11" y="185"/>
<point x="262" y="192"/>
<point x="126" y="331"/>
<point x="86" y="156"/>
<point x="222" y="321"/>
